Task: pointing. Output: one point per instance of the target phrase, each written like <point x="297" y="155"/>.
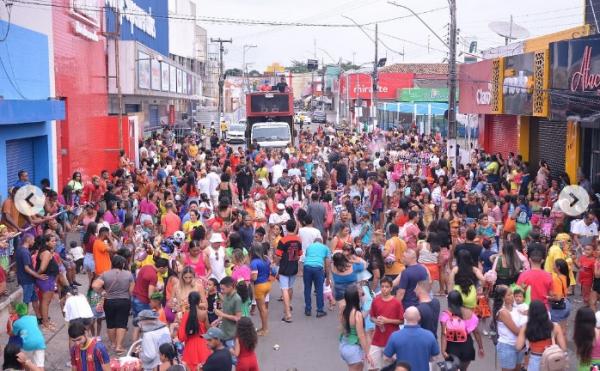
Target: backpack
<point x="523" y="217"/>
<point x="554" y="359"/>
<point x="456" y="329"/>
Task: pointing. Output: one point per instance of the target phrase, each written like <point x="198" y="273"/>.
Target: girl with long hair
<point x="186" y="284"/>
<point x="509" y="265"/>
<point x="193" y="325"/>
<point x="46" y="265"/>
<point x="464" y="278"/>
<point x="459" y="325"/>
<point x="506" y="327"/>
<point x="353" y="340"/>
<point x="586" y="337"/>
<point x="245" y="344"/>
<point x="560" y="306"/>
<point x="540" y="333"/>
<point x="260" y="266"/>
<point x="89" y="237"/>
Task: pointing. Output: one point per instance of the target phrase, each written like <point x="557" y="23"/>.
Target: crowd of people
<point x="185" y="246"/>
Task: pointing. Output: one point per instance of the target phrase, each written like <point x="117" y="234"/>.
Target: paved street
<point x="307" y="344"/>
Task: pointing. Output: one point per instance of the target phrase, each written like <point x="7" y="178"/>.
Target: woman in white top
<point x="216" y="257"/>
<point x="504" y="319"/>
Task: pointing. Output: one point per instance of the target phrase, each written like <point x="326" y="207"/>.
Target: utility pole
<point x="452" y="145"/>
<point x="118" y="73"/>
<point x="221" y="76"/>
<point x="375" y="77"/>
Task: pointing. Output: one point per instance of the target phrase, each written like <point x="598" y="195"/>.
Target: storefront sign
<point x="87" y="10"/>
<point x="475" y="90"/>
<point x="164" y="69"/>
<point x="423" y="95"/>
<point x="135" y="14"/>
<point x="85" y="32"/>
<point x="575" y="78"/>
<point x="517" y="86"/>
<point x="361" y="85"/>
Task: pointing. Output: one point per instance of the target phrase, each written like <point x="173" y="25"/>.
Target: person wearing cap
<point x="220" y="359"/>
<point x="280" y="217"/>
<point x="216" y="256"/>
<point x="28" y="329"/>
<point x="154" y="334"/>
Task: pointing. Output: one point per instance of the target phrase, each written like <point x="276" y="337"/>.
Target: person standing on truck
<point x="282" y="86"/>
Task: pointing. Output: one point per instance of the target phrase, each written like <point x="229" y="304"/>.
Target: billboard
<point x="361" y="85"/>
<point x="518" y="83"/>
<point x="138" y="22"/>
<point x="475" y="87"/>
<point x="575" y="70"/>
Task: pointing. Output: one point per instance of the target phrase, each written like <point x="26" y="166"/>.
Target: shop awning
<point x="421" y="108"/>
<point x="14" y="111"/>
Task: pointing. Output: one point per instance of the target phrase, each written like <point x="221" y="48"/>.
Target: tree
<point x="349" y="66"/>
<point x="234" y="72"/>
<point x="254" y="73"/>
<point x="298" y="67"/>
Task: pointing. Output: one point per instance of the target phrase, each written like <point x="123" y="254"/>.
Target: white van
<point x="271" y="134"/>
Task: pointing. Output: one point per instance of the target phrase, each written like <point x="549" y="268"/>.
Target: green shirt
<point x="232" y="304"/>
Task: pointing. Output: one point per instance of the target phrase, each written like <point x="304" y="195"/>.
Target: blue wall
<point x="159" y="10"/>
<point x="25" y="58"/>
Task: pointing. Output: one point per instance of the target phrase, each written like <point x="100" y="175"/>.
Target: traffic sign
<point x="573" y="200"/>
<point x="30" y="200"/>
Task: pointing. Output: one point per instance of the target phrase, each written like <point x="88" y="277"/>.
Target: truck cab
<point x="271" y="134"/>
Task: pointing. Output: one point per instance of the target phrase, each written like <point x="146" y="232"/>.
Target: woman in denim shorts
<point x="353" y="339"/>
<point x="506" y="321"/>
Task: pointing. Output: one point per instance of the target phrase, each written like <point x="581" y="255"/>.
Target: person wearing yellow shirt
<point x="192" y="150"/>
<point x="560" y="250"/>
<point x="393" y="252"/>
<point x="190" y="225"/>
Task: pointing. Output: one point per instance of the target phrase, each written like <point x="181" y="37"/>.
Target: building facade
<point x="28" y="107"/>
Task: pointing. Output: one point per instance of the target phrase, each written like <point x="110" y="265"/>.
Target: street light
<point x="244" y="66"/>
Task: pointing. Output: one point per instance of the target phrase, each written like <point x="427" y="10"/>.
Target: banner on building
<point x="475" y="87"/>
<point x="517" y="85"/>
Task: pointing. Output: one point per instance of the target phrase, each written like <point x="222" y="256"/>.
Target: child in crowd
<point x="328" y="296"/>
<point x="76" y="255"/>
<point x="521" y="306"/>
<point x="243" y="291"/>
<point x="486" y="254"/>
<point x="585" y="263"/>
<point x="156" y="305"/>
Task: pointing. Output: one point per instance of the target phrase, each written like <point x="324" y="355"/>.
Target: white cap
<point x="216" y="238"/>
<point x="280" y="207"/>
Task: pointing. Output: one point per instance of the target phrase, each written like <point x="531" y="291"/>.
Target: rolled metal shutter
<point x="19" y="156"/>
<point x="503" y="134"/>
<point x="547" y="142"/>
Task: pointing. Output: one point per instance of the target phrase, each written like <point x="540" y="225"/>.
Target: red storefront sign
<point x="361" y="85"/>
<point x="474" y="87"/>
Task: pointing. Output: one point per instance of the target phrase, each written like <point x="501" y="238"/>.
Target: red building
<point x="87" y="139"/>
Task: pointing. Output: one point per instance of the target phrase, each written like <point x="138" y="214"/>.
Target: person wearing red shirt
<point x="145" y="285"/>
<point x="92" y="192"/>
<point x="387" y="313"/>
<point x="586" y="264"/>
<point x="536" y="278"/>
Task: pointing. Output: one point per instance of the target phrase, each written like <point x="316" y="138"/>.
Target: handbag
<point x="560" y="304"/>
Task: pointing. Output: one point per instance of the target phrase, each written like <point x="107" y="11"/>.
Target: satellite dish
<point x="509" y="30"/>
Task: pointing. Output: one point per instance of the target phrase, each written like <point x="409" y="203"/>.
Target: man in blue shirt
<point x="316" y="268"/>
<point x="407" y="281"/>
<point x="26" y="275"/>
<point x="412" y="344"/>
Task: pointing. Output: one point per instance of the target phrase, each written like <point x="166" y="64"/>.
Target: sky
<point x="282" y="44"/>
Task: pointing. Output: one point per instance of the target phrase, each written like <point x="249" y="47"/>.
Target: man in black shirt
<point x="282" y="86"/>
<point x="220" y="359"/>
<point x="473" y="248"/>
<point x="472" y="209"/>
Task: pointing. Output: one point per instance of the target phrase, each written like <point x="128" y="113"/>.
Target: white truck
<point x="275" y="134"/>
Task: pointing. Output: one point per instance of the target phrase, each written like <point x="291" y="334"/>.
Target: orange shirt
<point x="396" y="246"/>
<point x="559" y="285"/>
<point x="171" y="222"/>
<point x="101" y="256"/>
